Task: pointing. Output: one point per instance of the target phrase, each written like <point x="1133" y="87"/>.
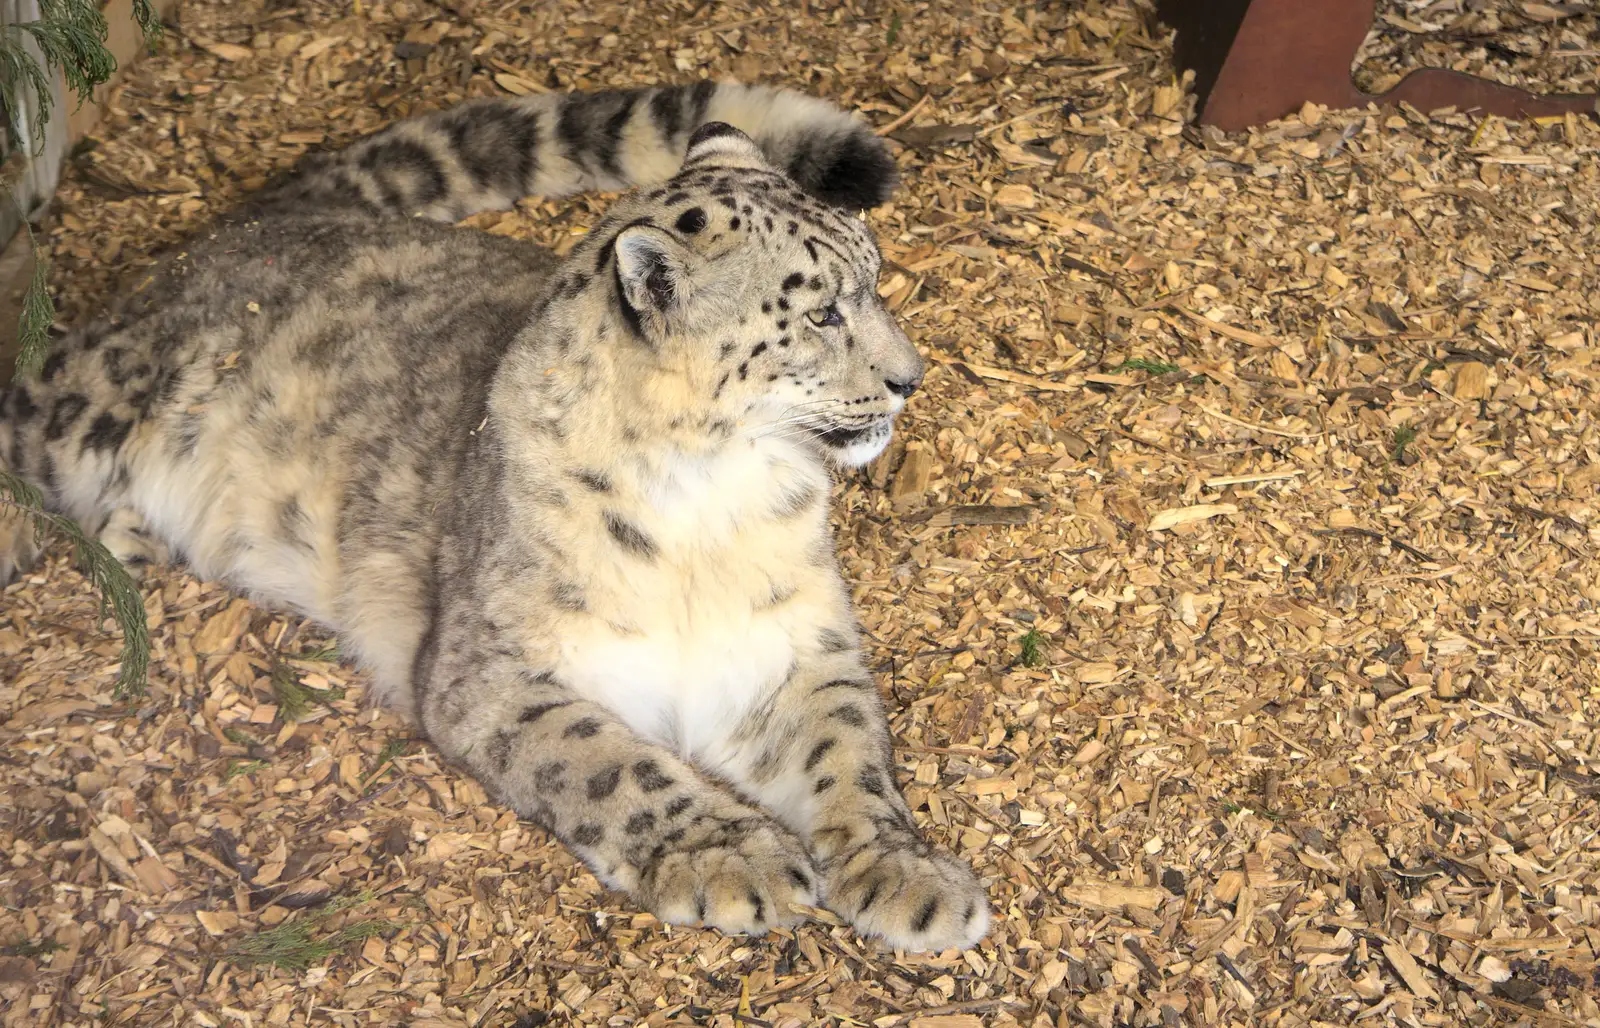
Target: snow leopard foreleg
<point x="641" y="818"/>
<point x="818" y="755"/>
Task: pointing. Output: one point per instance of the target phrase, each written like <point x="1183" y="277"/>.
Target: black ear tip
<point x="713" y="130"/>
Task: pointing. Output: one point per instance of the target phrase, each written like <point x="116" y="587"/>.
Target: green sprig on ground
<point x="1403" y="437"/>
<point x="1154" y="367"/>
<point x="243" y="768"/>
<point x="298" y="944"/>
<point x="294" y="696"/>
<point x="1032" y="649"/>
<point x="105" y="572"/>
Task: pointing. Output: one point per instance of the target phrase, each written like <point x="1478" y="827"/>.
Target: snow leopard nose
<point x="902" y="387"/>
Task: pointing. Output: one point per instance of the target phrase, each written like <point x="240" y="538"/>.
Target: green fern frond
<point x="149" y="24"/>
<point x="38" y="312"/>
<point x="15" y="491"/>
<point x="104" y="571"/>
<point x="71" y="34"/>
<point x="18" y="68"/>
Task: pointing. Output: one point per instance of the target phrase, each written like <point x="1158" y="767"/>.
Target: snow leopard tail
<point x="486" y="154"/>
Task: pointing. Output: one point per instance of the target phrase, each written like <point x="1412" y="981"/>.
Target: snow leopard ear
<point x="717" y="142"/>
<point x="651" y="271"/>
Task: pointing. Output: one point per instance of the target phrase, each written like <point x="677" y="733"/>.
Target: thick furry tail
<point x="486" y="154"/>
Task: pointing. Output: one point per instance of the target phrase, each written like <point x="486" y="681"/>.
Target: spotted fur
<point x="571" y="514"/>
<point x="487" y="154"/>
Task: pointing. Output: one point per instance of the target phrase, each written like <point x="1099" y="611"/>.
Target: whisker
<point x="811" y="418"/>
<point x="786" y="432"/>
<point x="807" y="416"/>
<point x="799" y="409"/>
<point x="796" y="428"/>
<point x="795" y="419"/>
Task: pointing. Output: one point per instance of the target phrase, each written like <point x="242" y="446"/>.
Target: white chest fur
<point x="684" y="643"/>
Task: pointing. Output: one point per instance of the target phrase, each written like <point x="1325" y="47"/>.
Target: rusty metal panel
<point x="1256" y="60"/>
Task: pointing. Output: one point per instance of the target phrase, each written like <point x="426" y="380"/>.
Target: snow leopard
<point x="571" y="513"/>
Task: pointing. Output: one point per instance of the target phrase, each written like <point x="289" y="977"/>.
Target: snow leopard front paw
<point x="128" y="539"/>
<point x="914" y="897"/>
<point x="736" y="874"/>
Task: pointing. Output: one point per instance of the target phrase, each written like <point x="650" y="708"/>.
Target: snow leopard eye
<point x="825" y="317"/>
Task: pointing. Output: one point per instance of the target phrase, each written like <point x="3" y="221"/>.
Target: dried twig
<point x="1367" y="533"/>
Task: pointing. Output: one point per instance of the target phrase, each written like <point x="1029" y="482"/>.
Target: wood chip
<point x="1031" y="381"/>
<point x="1232" y="332"/>
<point x="948" y="1021"/>
<point x="1019" y="196"/>
<point x="935" y="135"/>
<point x="113" y="857"/>
<point x="1188" y="515"/>
<point x="221" y="632"/>
<point x="1406" y="965"/>
<point x="1111" y="896"/>
<point x="1472" y="381"/>
<point x="911" y="481"/>
<point x="156" y="877"/>
<point x="1223" y="481"/>
<point x="981" y="514"/>
<point x="227" y="51"/>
